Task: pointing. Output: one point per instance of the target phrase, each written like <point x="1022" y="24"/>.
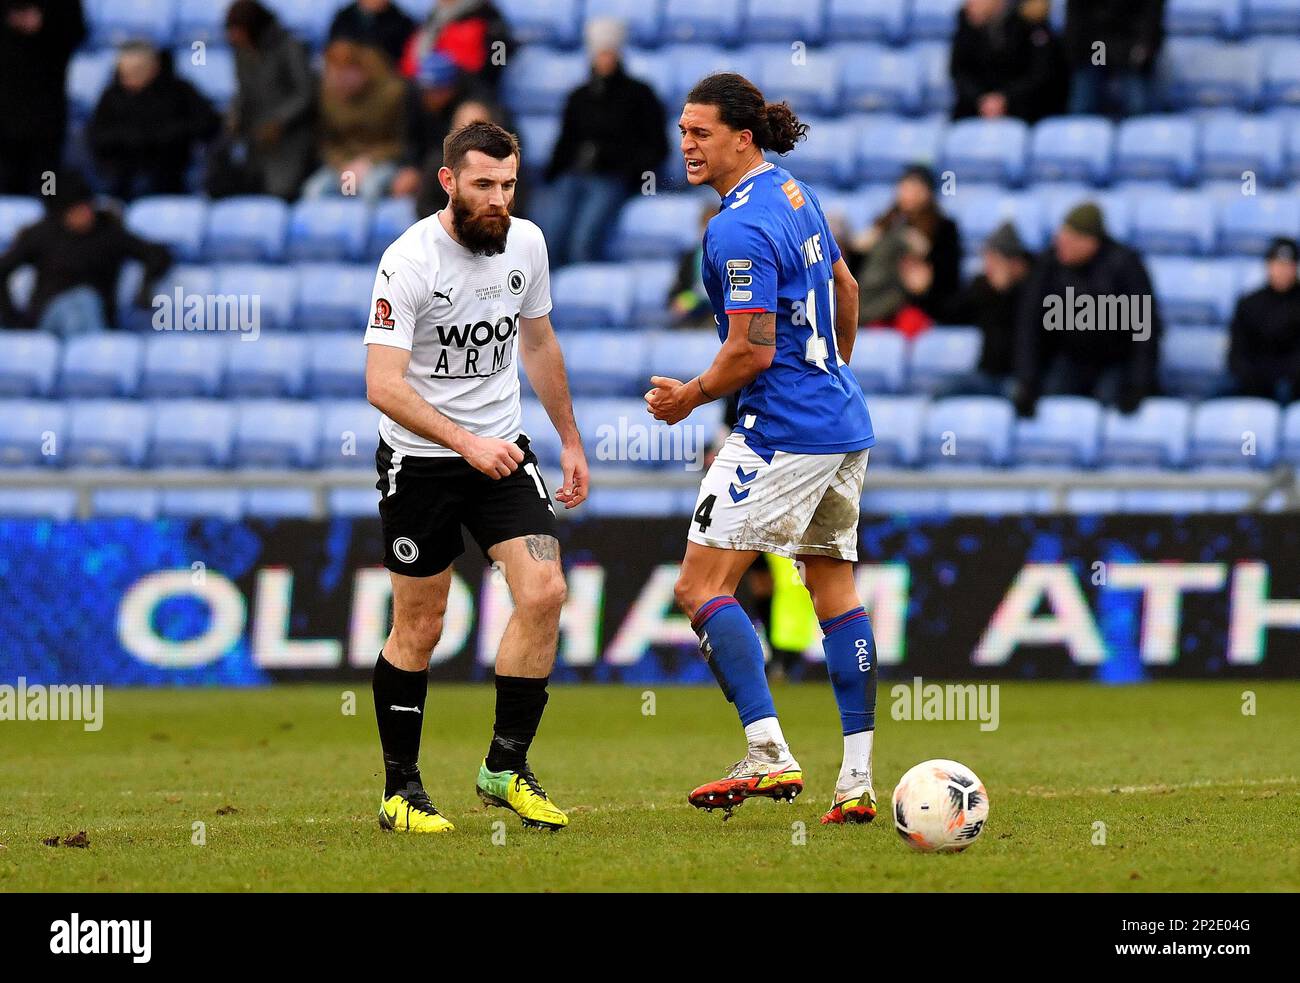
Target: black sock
<point x="399" y="709"/>
<point x="520" y="702"/>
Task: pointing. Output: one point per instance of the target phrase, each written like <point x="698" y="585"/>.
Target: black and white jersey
<point x="458" y="315"/>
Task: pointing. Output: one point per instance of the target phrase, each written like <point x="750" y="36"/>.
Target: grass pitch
<point x="1193" y="795"/>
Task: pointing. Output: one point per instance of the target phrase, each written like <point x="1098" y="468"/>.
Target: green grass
<point x="1195" y="796"/>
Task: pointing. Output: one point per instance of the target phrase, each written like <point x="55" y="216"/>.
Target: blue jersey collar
<point x="742" y="185"/>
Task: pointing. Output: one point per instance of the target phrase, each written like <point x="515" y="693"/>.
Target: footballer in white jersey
<point x="460" y="300"/>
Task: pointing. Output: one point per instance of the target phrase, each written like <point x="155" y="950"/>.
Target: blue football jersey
<point x="769" y="249"/>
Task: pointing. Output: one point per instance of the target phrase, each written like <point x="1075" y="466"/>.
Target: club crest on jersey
<point x="383" y="315"/>
<point x="516" y="282"/>
<point x="739" y="278"/>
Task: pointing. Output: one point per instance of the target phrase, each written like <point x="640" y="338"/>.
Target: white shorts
<point x="797" y="503"/>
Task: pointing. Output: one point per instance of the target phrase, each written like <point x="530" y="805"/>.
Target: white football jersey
<point x="458" y="315"/>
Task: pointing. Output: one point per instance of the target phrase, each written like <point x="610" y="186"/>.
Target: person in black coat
<point x="1264" y="348"/>
<point x="143" y="131"/>
<point x="378" y="23"/>
<point x="1004" y="64"/>
<point x="1088" y="322"/>
<point x="1112" y="47"/>
<point x="37" y="39"/>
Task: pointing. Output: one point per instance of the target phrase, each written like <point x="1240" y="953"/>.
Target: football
<point x="940" y="806"/>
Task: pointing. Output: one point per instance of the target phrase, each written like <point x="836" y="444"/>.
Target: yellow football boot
<point x="410" y="811"/>
<point x="520" y="792"/>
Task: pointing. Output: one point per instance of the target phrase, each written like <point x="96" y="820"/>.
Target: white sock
<point x="761" y="735"/>
<point x="857" y="758"/>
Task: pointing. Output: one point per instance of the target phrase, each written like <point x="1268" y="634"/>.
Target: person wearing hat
<point x="78" y="251"/>
<point x="1088" y="323"/>
<point x="1264" y="346"/>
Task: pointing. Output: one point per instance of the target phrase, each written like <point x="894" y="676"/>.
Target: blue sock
<point x="851" y="661"/>
<point x="735" y="655"/>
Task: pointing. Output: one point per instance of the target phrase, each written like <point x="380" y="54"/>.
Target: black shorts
<point x="425" y="501"/>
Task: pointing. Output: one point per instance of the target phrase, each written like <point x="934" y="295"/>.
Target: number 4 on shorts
<point x="704" y="512"/>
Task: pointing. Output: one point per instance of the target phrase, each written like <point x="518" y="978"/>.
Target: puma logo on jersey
<point x="388" y="277"/>
<point x="445" y="296"/>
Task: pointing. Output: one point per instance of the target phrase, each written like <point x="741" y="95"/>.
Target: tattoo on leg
<point x="543" y="547"/>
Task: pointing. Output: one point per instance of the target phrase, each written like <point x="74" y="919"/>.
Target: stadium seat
<point x="657" y="227"/>
<point x="309" y="20"/>
<point x="896" y="421"/>
<point x="1282" y="74"/>
<point x="907" y="502"/>
<point x="32" y="432"/>
<point x="125" y="503"/>
<point x="888" y="144"/>
<point x="941" y="354"/>
<point x="336" y="365"/>
<point x="654" y="279"/>
<point x="537" y="136"/>
<point x="29" y="363"/>
<point x="101" y="365"/>
<point x="247" y="229"/>
<point x="270" y="367"/>
<point x="644" y="20"/>
<point x="1193" y="291"/>
<point x="784" y="23"/>
<point x="693" y="61"/>
<point x="1172" y="222"/>
<point x="114" y="22"/>
<point x="333" y="229"/>
<point x="58" y="504"/>
<point x="1194" y="361"/>
<point x="998" y="501"/>
<point x="1280" y="17"/>
<point x="196" y="284"/>
<point x="543" y="440"/>
<point x="1065" y="432"/>
<point x="640" y="502"/>
<point x="933" y="60"/>
<point x="1289" y="440"/>
<point x="826" y="155"/>
<point x="979" y="210"/>
<point x="89" y="73"/>
<point x="678" y="354"/>
<point x="275" y="433"/>
<point x="853" y="20"/>
<point x="253" y="297"/>
<point x="810" y="84"/>
<point x="1074" y="148"/>
<point x="177" y="221"/>
<point x="213" y="75"/>
<point x="16" y="213"/>
<point x="1197" y="73"/>
<point x="349" y="433"/>
<point x="1248" y="222"/>
<point x="199" y="20"/>
<point x="967" y="432"/>
<point x="1232" y="144"/>
<point x="1093" y="501"/>
<point x="352" y="503"/>
<point x="592" y="295"/>
<point x="1154" y="436"/>
<point x="611" y="363"/>
<point x="880" y="79"/>
<point x="107" y="433"/>
<point x="279" y="503"/>
<point x="554" y="24"/>
<point x="191" y="433"/>
<point x="880" y="360"/>
<point x="654" y="68"/>
<point x="333" y="297"/>
<point x="986" y="150"/>
<point x="1203" y="18"/>
<point x="716" y="22"/>
<point x="539" y="81"/>
<point x="1156" y="148"/>
<point x="179" y="365"/>
<point x="226" y="504"/>
<point x="1056" y="200"/>
<point x="1164" y="501"/>
<point x="1235" y="432"/>
<point x="390" y="218"/>
<point x="933" y="19"/>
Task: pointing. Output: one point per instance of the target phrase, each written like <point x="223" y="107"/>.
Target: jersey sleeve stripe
<point x="749" y="310"/>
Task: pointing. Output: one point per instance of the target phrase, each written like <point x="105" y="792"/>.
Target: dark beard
<point x="481" y="236"/>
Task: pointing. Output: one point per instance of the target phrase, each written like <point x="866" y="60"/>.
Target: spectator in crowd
<point x="1264" y="348"/>
<point x="689" y="300"/>
<point x="378" y="23"/>
<point x="1112" y="46"/>
<point x="1088" y="323"/>
<point x="472" y="33"/>
<point x="77" y="252"/>
<point x="363" y="108"/>
<point x="143" y="131"/>
<point x="269" y="142"/>
<point x="432" y="100"/>
<point x="1005" y="64"/>
<point x="991" y="303"/>
<point x="913" y="259"/>
<point x="612" y="134"/>
<point x="37" y="39"/>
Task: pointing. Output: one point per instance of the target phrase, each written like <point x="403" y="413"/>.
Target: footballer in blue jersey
<point x="788" y="479"/>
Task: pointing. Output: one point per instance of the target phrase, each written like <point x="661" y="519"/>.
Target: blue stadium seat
<point x="191" y="280"/>
<point x="309" y="20"/>
<point x="16" y="214"/>
<point x="978" y="210"/>
<point x="717" y="22"/>
<point x="936" y="82"/>
<point x="1194" y="361"/>
<point x="191" y="433"/>
<point x="333" y="296"/>
<point x="336" y="365"/>
<point x="896" y="421"/>
<point x="654" y="279"/>
<point x="202" y="503"/>
<point x="826" y="156"/>
<point x="539" y="81"/>
<point x="279" y="503"/>
<point x="352" y="503"/>
<point x="349" y="434"/>
<point x="933" y="19"/>
<point x="537" y="136"/>
<point x="178" y="365"/>
<point x="986" y="150"/>
<point x="1203" y="18"/>
<point x="1271" y="17"/>
<point x="644" y="20"/>
<point x="214" y="75"/>
<point x="101" y="365"/>
<point x="1289" y="450"/>
<point x="902" y="501"/>
<point x="810" y="86"/>
<point x="1073" y="148"/>
<point x="1198" y="73"/>
<point x="1065" y="431"/>
<point x="543" y="440"/>
<point x="967" y="432"/>
<point x="176" y="220"/>
<point x="59" y="504"/>
<point x="32" y="432"/>
<point x="1167" y="501"/>
<point x="249" y="228"/>
<point x="678" y="354"/>
<point x="107" y="433"/>
<point x="390" y="218"/>
<point x="116" y="21"/>
<point x="941" y="354"/>
<point x="125" y="503"/>
<point x="1154" y="436"/>
<point x="1092" y="501"/>
<point x="270" y="367"/>
<point x="888" y="144"/>
<point x="29" y="363"/>
<point x="1156" y="148"/>
<point x="328" y="229"/>
<point x="1231" y="144"/>
<point x="610" y="363"/>
<point x="998" y="501"/>
<point x="554" y="24"/>
<point x="1248" y="223"/>
<point x="693" y="61"/>
<point x="199" y="20"/>
<point x="643" y="502"/>
<point x="876" y="78"/>
<point x="784" y="23"/>
<point x="1282" y="74"/>
<point x="275" y="433"/>
<point x="1056" y="200"/>
<point x="259" y="295"/>
<point x="610" y="428"/>
<point x="89" y="73"/>
<point x="1172" y="222"/>
<point x="657" y="227"/>
<point x="853" y="20"/>
<point x="880" y="360"/>
<point x="592" y="295"/>
<point x="1235" y="432"/>
<point x="1193" y="291"/>
<point x="655" y="69"/>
